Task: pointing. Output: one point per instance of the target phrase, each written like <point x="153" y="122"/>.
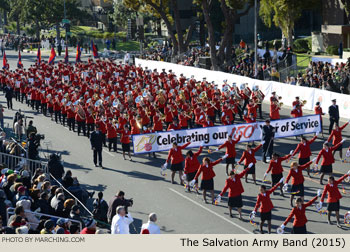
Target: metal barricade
<point x="16" y="162"/>
<point x="11" y="211"/>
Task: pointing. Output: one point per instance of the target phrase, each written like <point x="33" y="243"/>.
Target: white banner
<point x="288" y="92"/>
<point x="217" y="135"/>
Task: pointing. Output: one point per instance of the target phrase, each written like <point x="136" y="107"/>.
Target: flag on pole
<point x="66" y="57"/>
<point x="38" y="56"/>
<point x="52" y="56"/>
<point x="19" y="63"/>
<point x="94" y="50"/>
<point x="77" y="57"/>
<point x="4" y="62"/>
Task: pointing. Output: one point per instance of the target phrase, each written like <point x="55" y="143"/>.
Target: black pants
<point x="81" y="126"/>
<point x="23" y="95"/>
<point x="246" y="101"/>
<point x="104" y="139"/>
<point x="260" y="111"/>
<point x="57" y="116"/>
<point x="9" y="103"/>
<point x="17" y="95"/>
<point x="112" y="141"/>
<point x="37" y="105"/>
<point x="71" y="124"/>
<point x="64" y="116"/>
<point x="99" y="154"/>
<point x="267" y="149"/>
<point x="89" y="128"/>
<point x="331" y="124"/>
<point x="44" y="108"/>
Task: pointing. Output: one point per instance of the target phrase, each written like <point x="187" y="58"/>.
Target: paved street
<point x="178" y="211"/>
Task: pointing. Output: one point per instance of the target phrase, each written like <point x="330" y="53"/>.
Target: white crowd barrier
<point x="288" y="92"/>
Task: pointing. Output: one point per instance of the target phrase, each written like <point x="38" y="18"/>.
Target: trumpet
<point x="304" y="102"/>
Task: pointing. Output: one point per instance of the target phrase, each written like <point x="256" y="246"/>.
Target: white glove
<point x="217" y="149"/>
<point x="291" y="152"/>
<point x="320" y="204"/>
<point x="165" y="166"/>
<point x="265" y="175"/>
<point x="344" y="139"/>
<point x="262" y="142"/>
<point x="218" y="199"/>
<point x="319" y="192"/>
<point x="348" y="172"/>
<point x="225" y="156"/>
<point x="314" y="159"/>
<point x="282" y="226"/>
<point x="281" y="180"/>
<point x="253" y="212"/>
<point x="317" y="133"/>
<point x="192" y="182"/>
<point x="183" y="177"/>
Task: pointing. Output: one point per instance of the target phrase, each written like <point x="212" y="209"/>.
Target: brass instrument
<point x="182" y="95"/>
<point x="260" y="96"/>
<point x="247" y="91"/>
<point x="304" y="102"/>
<point x="81" y="112"/>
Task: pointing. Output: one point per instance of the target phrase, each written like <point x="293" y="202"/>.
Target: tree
<point x="162" y="9"/>
<point x="5" y="7"/>
<point x="230" y="12"/>
<point x="346" y="6"/>
<point x="284" y="13"/>
<point x="121" y="14"/>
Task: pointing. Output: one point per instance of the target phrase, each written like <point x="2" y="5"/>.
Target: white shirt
<point x="120" y="225"/>
<point x="152" y="227"/>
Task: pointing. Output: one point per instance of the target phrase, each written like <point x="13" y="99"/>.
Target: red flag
<point x="66" y="57"/>
<point x="19" y="63"/>
<point x="38" y="56"/>
<point x="52" y="56"/>
<point x="77" y="57"/>
<point x="4" y="62"/>
<point x="94" y="50"/>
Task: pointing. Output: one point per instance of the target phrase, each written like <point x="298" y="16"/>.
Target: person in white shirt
<point x="151" y="226"/>
<point x="121" y="221"/>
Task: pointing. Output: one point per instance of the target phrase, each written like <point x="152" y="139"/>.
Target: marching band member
<point x="250" y="118"/>
<point x="57" y="109"/>
<point x="296" y="173"/>
<point x="230" y="150"/>
<point x="298" y="105"/>
<point x="297" y="112"/>
<point x="174" y="125"/>
<point x="89" y="121"/>
<point x="111" y="135"/>
<point x="234" y="184"/>
<point x="125" y="140"/>
<point x="249" y="158"/>
<point x="298" y="212"/>
<point x="208" y="174"/>
<point x="265" y="205"/>
<point x="276" y="169"/>
<point x="192" y="165"/>
<point x="70" y="117"/>
<point x="175" y="155"/>
<point x="268" y="134"/>
<point x="318" y="111"/>
<point x="337" y="137"/>
<point x="80" y="118"/>
<point x="333" y="197"/>
<point x="327" y="159"/>
<point x="304" y="151"/>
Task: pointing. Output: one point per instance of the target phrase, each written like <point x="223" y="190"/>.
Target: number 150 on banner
<point x="217" y="135"/>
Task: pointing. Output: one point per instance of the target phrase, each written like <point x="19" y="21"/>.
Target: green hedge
<point x="302" y="45"/>
<point x="332" y="50"/>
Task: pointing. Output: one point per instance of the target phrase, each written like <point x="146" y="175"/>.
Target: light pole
<point x="65" y="16"/>
<point x="256" y="37"/>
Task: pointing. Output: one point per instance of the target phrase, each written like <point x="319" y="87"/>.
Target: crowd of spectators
<point x="324" y="75"/>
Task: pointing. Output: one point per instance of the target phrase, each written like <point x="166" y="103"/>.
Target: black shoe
<point x="231" y="215"/>
<point x="96" y="165"/>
